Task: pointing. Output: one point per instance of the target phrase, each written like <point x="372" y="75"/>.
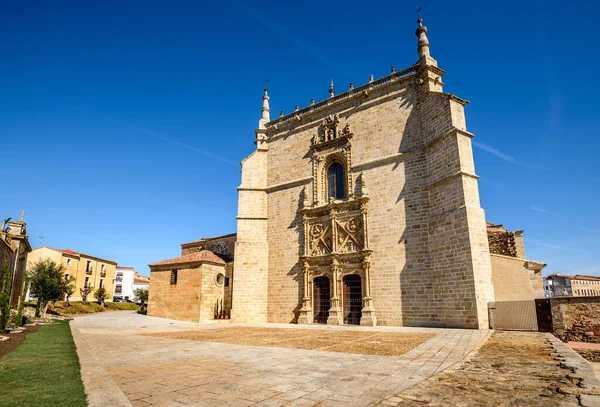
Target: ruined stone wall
<point x="177" y="301"/>
<point x="576" y="318"/>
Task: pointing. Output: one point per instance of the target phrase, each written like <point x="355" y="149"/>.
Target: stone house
<point x="88" y="272"/>
<point x="360" y="209"/>
<point x="189" y="287"/>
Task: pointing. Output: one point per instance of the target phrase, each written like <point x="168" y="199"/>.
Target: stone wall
<point x="511" y="279"/>
<point x="576" y="318"/>
<point x="430" y="262"/>
<point x="176" y="301"/>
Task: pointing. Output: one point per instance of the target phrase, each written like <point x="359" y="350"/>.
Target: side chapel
<point x="360" y="209"/>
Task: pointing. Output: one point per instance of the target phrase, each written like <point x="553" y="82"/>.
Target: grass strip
<point x="43" y="371"/>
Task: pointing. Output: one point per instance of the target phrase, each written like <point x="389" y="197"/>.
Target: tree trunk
<point x="44" y="309"/>
<point x="37" y="307"/>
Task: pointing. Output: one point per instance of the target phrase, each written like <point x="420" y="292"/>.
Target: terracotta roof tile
<point x="203" y="255"/>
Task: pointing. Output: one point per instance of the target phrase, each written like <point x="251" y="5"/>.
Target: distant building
<point x="14" y="249"/>
<point x="556" y="285"/>
<point x="127" y="280"/>
<point x="87" y="271"/>
<point x="140" y="281"/>
<point x="124" y="282"/>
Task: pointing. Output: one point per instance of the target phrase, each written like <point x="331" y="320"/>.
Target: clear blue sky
<point x="122" y="124"/>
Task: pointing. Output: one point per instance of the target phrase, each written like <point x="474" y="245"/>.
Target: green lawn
<point x="43" y="371"/>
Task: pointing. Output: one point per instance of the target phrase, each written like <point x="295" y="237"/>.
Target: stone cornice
<point x="450" y="178"/>
<point x="362" y="254"/>
<point x="393" y="157"/>
<point x="334" y="206"/>
<point x="188" y="265"/>
<point x="364" y="90"/>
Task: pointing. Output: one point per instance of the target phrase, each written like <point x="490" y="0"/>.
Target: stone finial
<point x="351" y="85"/>
<point x="371" y="78"/>
<point x="393" y="69"/>
<point x="265" y="111"/>
<point x="305" y="203"/>
<point x="423" y="42"/>
<point x="297" y="108"/>
<point x="363" y="185"/>
<point x="312" y="101"/>
<point x="331" y="89"/>
<point x="22" y="215"/>
<point x="281" y="113"/>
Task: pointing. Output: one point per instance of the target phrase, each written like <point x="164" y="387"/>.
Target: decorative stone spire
<point x="265" y="117"/>
<point x="266" y="111"/>
<point x="423" y="42"/>
<point x="331" y="89"/>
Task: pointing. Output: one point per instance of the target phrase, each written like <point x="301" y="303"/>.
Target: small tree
<point x="69" y="291"/>
<point x="48" y="283"/>
<point x="141" y="294"/>
<point x="5" y="297"/>
<point x="101" y="295"/>
<point x="85" y="291"/>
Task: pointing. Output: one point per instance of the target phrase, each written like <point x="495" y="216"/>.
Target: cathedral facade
<point x="364" y="209"/>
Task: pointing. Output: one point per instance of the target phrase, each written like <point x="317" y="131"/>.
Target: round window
<point x="220" y="279"/>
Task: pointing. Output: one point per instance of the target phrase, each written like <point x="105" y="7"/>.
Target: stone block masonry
<point x="576" y="319"/>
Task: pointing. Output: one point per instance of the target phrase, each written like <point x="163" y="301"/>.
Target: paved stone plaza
<point x="121" y="366"/>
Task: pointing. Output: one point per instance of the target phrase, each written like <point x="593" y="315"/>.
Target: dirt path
<point x="511" y="369"/>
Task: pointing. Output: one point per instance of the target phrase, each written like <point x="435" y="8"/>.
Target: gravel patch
<point x="365" y="343"/>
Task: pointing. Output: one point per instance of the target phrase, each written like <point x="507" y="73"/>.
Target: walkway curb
<point x="581" y="371"/>
<point x="100" y="388"/>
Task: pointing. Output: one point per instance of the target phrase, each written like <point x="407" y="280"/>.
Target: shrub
<point x="5" y="297"/>
<point x="101" y="295"/>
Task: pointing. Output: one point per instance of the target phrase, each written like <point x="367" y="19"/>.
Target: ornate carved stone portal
<point x="336" y="245"/>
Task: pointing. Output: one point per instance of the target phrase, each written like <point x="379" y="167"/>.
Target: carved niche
<point x="332" y="143"/>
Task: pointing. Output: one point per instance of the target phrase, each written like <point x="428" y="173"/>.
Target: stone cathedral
<point x="360" y="209"/>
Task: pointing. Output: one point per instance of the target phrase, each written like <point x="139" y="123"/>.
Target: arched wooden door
<point x="352" y="299"/>
<point x="321" y="299"/>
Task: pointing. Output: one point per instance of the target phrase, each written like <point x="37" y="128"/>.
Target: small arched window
<point x="336" y="186"/>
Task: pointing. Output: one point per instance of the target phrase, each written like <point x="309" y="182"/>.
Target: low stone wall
<point x="576" y="318"/>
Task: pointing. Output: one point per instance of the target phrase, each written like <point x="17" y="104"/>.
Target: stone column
<point x="306" y="316"/>
<point x="368" y="312"/>
<point x="335" y="312"/>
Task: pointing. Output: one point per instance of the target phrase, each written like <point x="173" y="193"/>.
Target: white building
<point x="127" y="280"/>
<point x="124" y="282"/>
<point x="140" y="282"/>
